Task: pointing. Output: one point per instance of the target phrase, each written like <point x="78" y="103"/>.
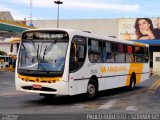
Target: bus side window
<point x="137" y="54"/>
<point x="95" y="51"/>
<point x="145" y="56"/>
<point x="120" y="53"/>
<point x="129" y="54"/>
<point x="77" y="54"/>
<point x="108" y="52"/>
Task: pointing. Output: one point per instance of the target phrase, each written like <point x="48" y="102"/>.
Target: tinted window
<point x="95" y="51"/>
<point x="129" y="54"/>
<point x="77" y="54"/>
<point x="108" y="52"/>
<point x="120" y="53"/>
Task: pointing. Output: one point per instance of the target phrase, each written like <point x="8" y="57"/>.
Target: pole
<point x="30" y="11"/>
<point x="58" y="2"/>
<point x="58" y="17"/>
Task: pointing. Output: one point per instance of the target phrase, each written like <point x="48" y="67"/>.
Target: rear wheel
<point x="132" y="83"/>
<point x="92" y="89"/>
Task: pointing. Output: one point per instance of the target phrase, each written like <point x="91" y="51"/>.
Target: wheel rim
<point x="91" y="90"/>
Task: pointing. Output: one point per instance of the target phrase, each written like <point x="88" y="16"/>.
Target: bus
<point x="70" y="62"/>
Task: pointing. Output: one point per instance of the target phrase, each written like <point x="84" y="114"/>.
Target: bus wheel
<point x="92" y="89"/>
<point x="132" y="84"/>
<point x="47" y="96"/>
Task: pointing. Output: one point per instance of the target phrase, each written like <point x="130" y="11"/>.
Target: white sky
<point x="82" y="9"/>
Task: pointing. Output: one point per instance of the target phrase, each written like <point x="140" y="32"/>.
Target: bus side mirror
<point x="75" y="54"/>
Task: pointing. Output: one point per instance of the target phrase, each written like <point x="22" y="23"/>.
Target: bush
<point x="3" y="53"/>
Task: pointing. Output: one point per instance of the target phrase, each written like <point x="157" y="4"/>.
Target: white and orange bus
<point x="69" y="62"/>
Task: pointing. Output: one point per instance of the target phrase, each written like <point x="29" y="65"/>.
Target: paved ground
<point x="145" y="99"/>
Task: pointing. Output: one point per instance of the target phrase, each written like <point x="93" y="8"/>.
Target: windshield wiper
<point x="48" y="49"/>
<point x="33" y="44"/>
<point x="24" y="53"/>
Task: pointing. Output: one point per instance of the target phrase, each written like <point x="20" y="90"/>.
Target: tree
<point x="3" y="53"/>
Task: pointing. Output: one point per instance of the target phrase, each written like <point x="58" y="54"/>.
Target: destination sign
<point x="53" y="35"/>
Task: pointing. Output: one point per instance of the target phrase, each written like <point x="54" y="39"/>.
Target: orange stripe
<point x="137" y="68"/>
<point x="139" y="44"/>
<point x="39" y="79"/>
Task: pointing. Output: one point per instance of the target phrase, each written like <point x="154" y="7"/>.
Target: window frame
<point x="85" y="54"/>
<point x="100" y="51"/>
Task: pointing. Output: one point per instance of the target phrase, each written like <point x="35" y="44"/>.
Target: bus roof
<point x="91" y="35"/>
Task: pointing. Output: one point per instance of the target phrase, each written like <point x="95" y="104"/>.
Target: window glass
<point x="129" y="54"/>
<point x="120" y="53"/>
<point x="120" y="57"/>
<point x="108" y="54"/>
<point x="137" y="50"/>
<point x="42" y="56"/>
<point x="129" y="58"/>
<point x="81" y="51"/>
<point x="137" y="54"/>
<point x="129" y="49"/>
<point x="108" y="47"/>
<point x="94" y="45"/>
<point x="77" y="54"/>
<point x="145" y="50"/>
<point x="145" y="56"/>
<point x="120" y="48"/>
<point x="95" y="53"/>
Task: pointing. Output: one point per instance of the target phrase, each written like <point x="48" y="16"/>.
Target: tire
<point x="48" y="96"/>
<point x="132" y="83"/>
<point x="92" y="89"/>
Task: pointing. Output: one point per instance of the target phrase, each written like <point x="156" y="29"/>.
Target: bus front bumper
<point x="58" y="88"/>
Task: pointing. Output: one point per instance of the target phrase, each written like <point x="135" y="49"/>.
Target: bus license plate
<point x="37" y="86"/>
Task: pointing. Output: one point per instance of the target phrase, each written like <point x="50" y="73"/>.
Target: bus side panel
<point x="78" y="81"/>
<point x="122" y="74"/>
<point x="140" y="69"/>
<point x="109" y="76"/>
<point x="107" y="83"/>
<point x="109" y="79"/>
<point x="145" y="72"/>
<point x="72" y="85"/>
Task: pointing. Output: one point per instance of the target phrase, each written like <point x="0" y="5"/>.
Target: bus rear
<point x="41" y="62"/>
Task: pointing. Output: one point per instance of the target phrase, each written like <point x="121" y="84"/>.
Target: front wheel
<point x="91" y="90"/>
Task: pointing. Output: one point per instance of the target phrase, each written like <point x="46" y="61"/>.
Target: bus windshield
<point x="42" y="55"/>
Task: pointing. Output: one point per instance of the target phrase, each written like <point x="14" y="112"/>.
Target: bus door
<point x="77" y="59"/>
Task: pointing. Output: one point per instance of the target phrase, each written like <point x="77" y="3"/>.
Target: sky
<point x="81" y="9"/>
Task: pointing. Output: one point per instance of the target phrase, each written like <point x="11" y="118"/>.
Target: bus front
<point x="41" y="62"/>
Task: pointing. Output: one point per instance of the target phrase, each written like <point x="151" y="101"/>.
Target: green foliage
<point x="3" y="53"/>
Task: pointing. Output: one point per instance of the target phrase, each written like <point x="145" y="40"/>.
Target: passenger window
<point x="108" y="52"/>
<point x="145" y="56"/>
<point x="95" y="51"/>
<point x="120" y="53"/>
<point x="77" y="53"/>
<point x="137" y="54"/>
<point x="129" y="54"/>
